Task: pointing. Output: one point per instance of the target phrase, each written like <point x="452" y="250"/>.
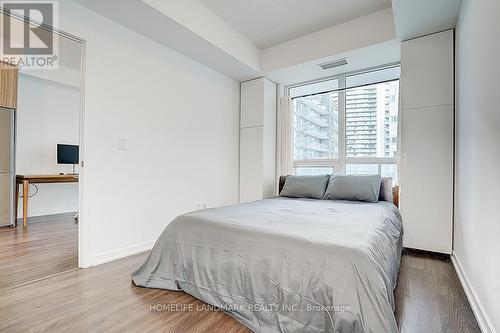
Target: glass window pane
<point x="381" y="75"/>
<point x="313" y="171"/>
<point x="361" y="169"/>
<point x="372" y="120"/>
<point x="390" y="170"/>
<point x="316" y="127"/>
<point x="314" y="88"/>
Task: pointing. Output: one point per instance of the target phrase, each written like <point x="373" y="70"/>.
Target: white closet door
<point x="252" y="103"/>
<point x="257" y="140"/>
<point x="427" y="71"/>
<point x="427" y="178"/>
<point x="251" y="163"/>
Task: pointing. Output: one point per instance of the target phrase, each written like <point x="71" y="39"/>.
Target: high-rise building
<point x="316" y="127"/>
<point x="371" y="120"/>
<point x="370" y="127"/>
<point x="361" y="122"/>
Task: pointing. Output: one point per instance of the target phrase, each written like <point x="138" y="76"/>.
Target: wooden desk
<point x="37" y="179"/>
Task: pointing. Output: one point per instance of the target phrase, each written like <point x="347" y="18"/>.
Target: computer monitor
<point x="68" y="154"/>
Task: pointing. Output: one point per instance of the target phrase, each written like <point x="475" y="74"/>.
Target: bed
<point x="286" y="264"/>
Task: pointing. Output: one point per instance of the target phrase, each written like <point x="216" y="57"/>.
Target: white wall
<point x="180" y="120"/>
<point x="477" y="220"/>
<point x="47" y="114"/>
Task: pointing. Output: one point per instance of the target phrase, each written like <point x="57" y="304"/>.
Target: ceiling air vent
<point x="332" y="64"/>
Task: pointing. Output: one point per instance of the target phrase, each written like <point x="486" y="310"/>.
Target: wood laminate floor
<point x="429" y="299"/>
<point x="46" y="247"/>
<point x="429" y="296"/>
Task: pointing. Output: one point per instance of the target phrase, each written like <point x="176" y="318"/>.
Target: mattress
<point x="286" y="265"/>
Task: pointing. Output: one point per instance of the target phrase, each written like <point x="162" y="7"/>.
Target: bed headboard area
<point x="282" y="183"/>
<point x="395" y="195"/>
<point x="395" y="190"/>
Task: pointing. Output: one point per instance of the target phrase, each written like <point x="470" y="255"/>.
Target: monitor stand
<point x="73" y="173"/>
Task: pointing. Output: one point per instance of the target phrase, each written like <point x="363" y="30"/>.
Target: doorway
<point x="44" y="239"/>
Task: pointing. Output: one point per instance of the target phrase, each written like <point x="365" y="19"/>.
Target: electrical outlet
<point x="122" y="144"/>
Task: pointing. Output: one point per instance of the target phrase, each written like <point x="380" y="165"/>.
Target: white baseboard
<point x="482" y="318"/>
<point x="44" y="218"/>
<point x="120" y="253"/>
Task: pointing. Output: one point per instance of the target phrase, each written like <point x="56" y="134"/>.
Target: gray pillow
<point x="354" y="188"/>
<point x="305" y="186"/>
<point x="386" y="190"/>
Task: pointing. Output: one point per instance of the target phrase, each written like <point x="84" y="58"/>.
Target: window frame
<point x="339" y="164"/>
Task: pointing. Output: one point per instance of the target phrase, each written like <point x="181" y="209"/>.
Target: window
<point x="371" y="120"/>
<point x="312" y="171"/>
<point x="316" y="127"/>
<point x="361" y="169"/>
<point x="352" y="130"/>
<point x="385" y="170"/>
<point x="316" y="121"/>
<point x="390" y="170"/>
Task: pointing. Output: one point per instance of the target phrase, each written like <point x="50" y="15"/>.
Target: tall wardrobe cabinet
<point x="257" y="139"/>
<point x="427" y="115"/>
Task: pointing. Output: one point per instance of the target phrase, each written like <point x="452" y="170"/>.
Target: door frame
<point x="82" y="226"/>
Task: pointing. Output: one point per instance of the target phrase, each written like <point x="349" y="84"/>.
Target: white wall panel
<point x="47" y="114"/>
<point x="477" y="181"/>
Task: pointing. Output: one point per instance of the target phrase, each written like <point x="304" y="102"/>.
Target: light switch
<point x="122" y="144"/>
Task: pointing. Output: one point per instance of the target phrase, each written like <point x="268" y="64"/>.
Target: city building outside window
<point x="347" y="124"/>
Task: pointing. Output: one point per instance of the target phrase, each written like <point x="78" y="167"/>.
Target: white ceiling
<point x="417" y="18"/>
<point x="140" y="16"/>
<point x="363" y="58"/>
<point x="270" y="22"/>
